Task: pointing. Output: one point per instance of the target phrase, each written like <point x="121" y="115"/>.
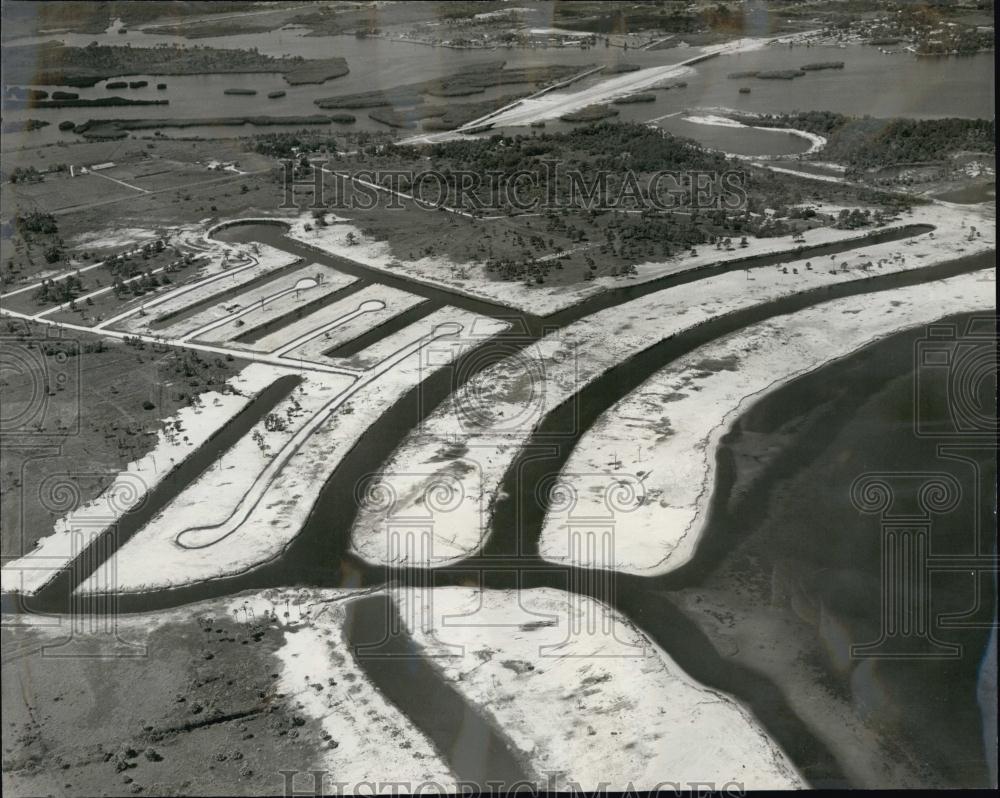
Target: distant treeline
<point x="823" y="65"/>
<point x="99" y="102"/>
<point x="866" y="143"/>
<point x="22" y="125"/>
<point x="53" y="63"/>
<point x="287" y="145"/>
<point x="592" y="113"/>
<point x="474" y="79"/>
<point x="635" y="98"/>
<point x="119" y="128"/>
<point x="599" y="146"/>
<point x="440" y="117"/>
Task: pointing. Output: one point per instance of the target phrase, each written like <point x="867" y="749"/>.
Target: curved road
<point x="319" y="554"/>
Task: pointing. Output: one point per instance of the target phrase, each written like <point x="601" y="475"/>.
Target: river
<point x="795" y="534"/>
<point x="901" y="84"/>
<point x="662" y="606"/>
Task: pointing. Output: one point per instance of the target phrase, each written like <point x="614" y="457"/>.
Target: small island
<point x="635" y="98"/>
<point x="618" y="69"/>
<point x="99" y="102"/>
<point x="770" y="74"/>
<point x="23" y="125"/>
<point x="53" y="63"/>
<point x="780" y="74"/>
<point x="120" y="128"/>
<point x="392" y="118"/>
<point x="17" y="93"/>
<point x="592" y="113"/>
<point x="316" y="71"/>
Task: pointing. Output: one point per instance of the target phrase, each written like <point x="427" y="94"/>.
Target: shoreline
<point x="716" y="118"/>
<point x="676" y="462"/>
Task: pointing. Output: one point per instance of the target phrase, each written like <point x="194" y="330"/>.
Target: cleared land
<point x="273" y="510"/>
<point x="662" y="438"/>
<point x="199" y="697"/>
<point x="81" y="412"/>
<point x="497" y="410"/>
<point x="383" y="304"/>
<point x="88" y="503"/>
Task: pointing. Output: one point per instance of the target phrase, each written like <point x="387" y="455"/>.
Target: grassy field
<point x="561" y="247"/>
<point x="153" y="177"/>
<point x="192" y="707"/>
<point x="154" y="185"/>
<point x="84" y="416"/>
<point x="128" y="268"/>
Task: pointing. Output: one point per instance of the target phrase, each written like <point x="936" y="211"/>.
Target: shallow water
<point x="475" y="750"/>
<point x="894" y="85"/>
<point x="787" y="549"/>
<point x="318" y="556"/>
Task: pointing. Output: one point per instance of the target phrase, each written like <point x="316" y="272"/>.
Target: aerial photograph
<point x="497" y="396"/>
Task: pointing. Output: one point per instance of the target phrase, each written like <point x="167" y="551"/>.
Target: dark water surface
<point x="790" y="551"/>
<point x="744" y="545"/>
<point x="871" y="83"/>
<point x="476" y="751"/>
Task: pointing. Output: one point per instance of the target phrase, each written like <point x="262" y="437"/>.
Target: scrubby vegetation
<point x="576" y="239"/>
<point x="318" y="71"/>
<point x="823" y="65"/>
<point x="440" y="117"/>
<point x="592" y="113"/>
<point x="675" y="18"/>
<point x="635" y="98"/>
<point x="96" y="102"/>
<point x="23" y="125"/>
<point x="867" y="143"/>
<point x="288" y="145"/>
<point x="119" y="128"/>
<point x="35" y="222"/>
<point x="96" y="411"/>
<point x="474" y="80"/>
<point x="52" y="63"/>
